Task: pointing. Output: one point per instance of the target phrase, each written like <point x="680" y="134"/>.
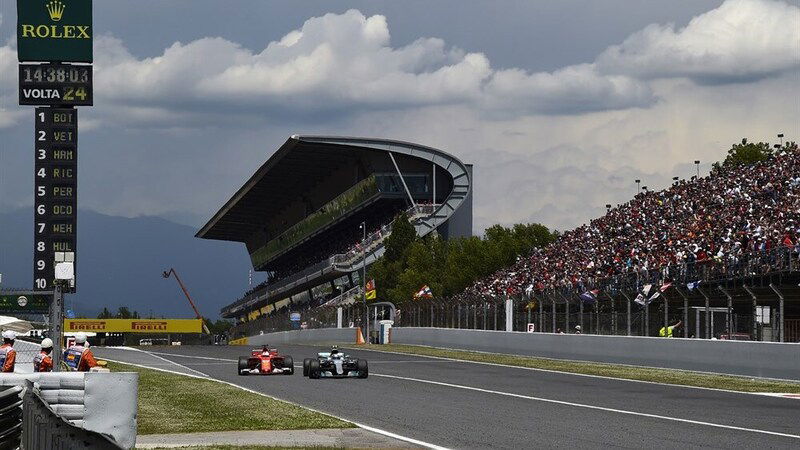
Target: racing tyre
<point x="243" y="365"/>
<point x="313" y="369"/>
<point x="306" y="362"/>
<point x="363" y="368"/>
<point x="288" y="363"/>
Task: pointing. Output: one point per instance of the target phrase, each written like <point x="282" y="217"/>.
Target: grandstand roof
<point x="273" y="185"/>
<point x="291" y="169"/>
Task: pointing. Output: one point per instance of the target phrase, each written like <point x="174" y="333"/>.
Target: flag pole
<point x="364" y="280"/>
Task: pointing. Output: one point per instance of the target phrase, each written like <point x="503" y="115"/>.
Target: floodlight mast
<point x="172" y="271"/>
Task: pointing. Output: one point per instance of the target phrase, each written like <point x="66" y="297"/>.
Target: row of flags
<point x="372" y="292"/>
<point x="645" y="297"/>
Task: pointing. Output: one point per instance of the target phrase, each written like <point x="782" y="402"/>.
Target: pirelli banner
<point x="133" y="325"/>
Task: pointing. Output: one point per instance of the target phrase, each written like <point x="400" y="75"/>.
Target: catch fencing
<point x="740" y="298"/>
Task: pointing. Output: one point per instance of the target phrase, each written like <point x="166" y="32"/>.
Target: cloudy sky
<point x="560" y="105"/>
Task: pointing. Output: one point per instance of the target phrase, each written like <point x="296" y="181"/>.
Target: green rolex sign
<point x="54" y="30"/>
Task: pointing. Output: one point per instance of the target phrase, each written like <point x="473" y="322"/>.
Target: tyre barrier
<point x="10" y="416"/>
<point x="105" y="403"/>
<point x="43" y="428"/>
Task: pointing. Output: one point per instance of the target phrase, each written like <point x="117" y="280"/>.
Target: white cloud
<point x="346" y="63"/>
<point x="552" y="146"/>
<point x="742" y="40"/>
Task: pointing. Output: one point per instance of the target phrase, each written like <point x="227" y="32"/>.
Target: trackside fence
<point x="752" y="297"/>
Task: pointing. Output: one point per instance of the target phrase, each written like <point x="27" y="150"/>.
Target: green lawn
<point x="171" y="403"/>
<point x="684" y="378"/>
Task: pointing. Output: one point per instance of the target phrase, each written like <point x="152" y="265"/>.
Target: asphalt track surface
<point x="466" y="405"/>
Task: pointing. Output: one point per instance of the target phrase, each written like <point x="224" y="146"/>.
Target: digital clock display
<point x="55" y="84"/>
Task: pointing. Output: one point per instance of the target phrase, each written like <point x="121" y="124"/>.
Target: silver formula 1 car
<point x="335" y="364"/>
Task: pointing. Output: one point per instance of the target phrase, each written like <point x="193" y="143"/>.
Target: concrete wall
<point x="761" y="359"/>
<point x="301" y="336"/>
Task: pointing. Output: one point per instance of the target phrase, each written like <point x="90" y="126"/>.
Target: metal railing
<point x="705" y="311"/>
<point x="376" y="238"/>
<point x="373" y="241"/>
<point x="354" y="291"/>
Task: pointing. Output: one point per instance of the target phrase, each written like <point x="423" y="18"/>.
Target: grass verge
<point x="171" y="403"/>
<point x="679" y="377"/>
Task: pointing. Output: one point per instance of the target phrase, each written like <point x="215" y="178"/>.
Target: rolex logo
<point x="56" y="9"/>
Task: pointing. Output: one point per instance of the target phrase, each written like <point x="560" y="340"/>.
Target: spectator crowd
<point x="721" y="219"/>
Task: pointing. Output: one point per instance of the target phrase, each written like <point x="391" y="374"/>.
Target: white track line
<point x="360" y="425"/>
<point x="546" y="400"/>
<point x="171" y="362"/>
<point x="581" y="405"/>
<point x="445" y="359"/>
<point x="233" y="360"/>
<point x="535" y="369"/>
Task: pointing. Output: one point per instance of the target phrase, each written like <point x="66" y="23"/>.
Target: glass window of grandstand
<point x="390" y="183"/>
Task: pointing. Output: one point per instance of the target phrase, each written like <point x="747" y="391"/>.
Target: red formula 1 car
<point x="266" y="361"/>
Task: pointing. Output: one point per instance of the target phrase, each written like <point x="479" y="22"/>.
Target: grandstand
<point x="737" y="229"/>
<point x="299" y="215"/>
<point x="719" y="253"/>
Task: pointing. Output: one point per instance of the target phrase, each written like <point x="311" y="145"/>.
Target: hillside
<point x="121" y="260"/>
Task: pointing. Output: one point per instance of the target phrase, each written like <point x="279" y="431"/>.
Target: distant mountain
<point x="120" y="261"/>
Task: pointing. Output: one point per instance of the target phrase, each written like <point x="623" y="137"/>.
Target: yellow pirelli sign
<point x="133" y="325"/>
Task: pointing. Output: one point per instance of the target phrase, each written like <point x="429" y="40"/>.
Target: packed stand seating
<point x="721" y="220"/>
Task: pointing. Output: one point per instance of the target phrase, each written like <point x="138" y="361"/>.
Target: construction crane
<point x="172" y="271"/>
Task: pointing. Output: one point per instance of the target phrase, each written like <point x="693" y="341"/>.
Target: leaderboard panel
<point x="56" y="191"/>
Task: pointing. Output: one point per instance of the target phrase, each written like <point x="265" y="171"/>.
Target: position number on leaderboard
<point x="55" y="190"/>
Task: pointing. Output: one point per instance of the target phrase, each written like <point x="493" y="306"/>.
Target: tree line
<point x="448" y="266"/>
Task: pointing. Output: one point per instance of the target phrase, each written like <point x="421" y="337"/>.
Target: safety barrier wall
<point x="44" y="428"/>
<point x="318" y="335"/>
<point x="102" y="402"/>
<point x="761" y="359"/>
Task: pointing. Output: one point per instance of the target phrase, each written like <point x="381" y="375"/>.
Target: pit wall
<point x="758" y="359"/>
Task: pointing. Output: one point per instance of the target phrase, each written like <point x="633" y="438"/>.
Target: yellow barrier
<point x="240" y="341"/>
<point x="134" y="325"/>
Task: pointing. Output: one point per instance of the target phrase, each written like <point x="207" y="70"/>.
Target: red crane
<point x="172" y="271"/>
